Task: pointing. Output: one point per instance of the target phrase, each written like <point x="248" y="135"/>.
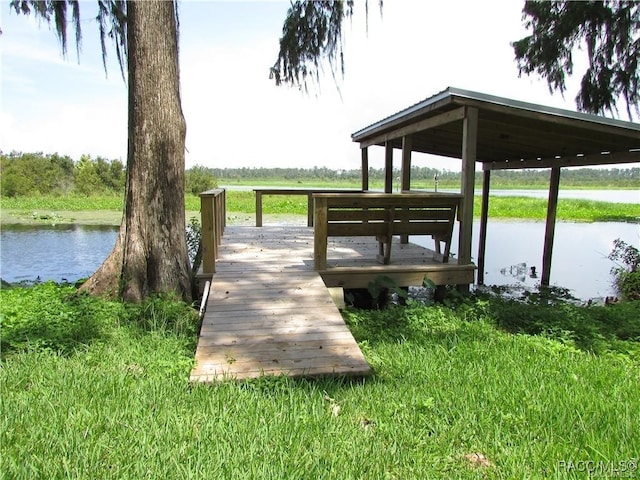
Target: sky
<point x="236" y="116"/>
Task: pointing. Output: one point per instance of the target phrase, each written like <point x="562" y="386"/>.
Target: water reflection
<point x="579" y="260"/>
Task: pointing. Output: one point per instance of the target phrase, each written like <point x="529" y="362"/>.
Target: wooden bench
<point x="384" y="215"/>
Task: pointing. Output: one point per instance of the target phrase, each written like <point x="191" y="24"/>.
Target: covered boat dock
<point x="498" y="133"/>
<point x="269" y="310"/>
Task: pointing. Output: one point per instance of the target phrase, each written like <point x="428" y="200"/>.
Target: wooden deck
<point x="270" y="313"/>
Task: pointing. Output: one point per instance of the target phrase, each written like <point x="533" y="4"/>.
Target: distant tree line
<point x="583" y="177"/>
<point x="24" y="174"/>
<point x="27" y="174"/>
<point x="613" y="177"/>
<point x="316" y="173"/>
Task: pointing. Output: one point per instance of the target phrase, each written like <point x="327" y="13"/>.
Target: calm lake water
<point x="61" y="252"/>
<point x="579" y="259"/>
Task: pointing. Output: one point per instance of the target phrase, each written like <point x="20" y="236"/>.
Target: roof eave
<point x="463" y="97"/>
<point x="432" y="103"/>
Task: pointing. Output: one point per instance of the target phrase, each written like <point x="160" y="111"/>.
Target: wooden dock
<point x="270" y="313"/>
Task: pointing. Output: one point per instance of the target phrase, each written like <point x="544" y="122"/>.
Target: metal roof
<point x="508" y="130"/>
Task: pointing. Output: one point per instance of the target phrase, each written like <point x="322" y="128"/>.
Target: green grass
<point x="568" y="209"/>
<point x="75" y="209"/>
<point x="499" y="207"/>
<point x="69" y="203"/>
<point x="114" y="402"/>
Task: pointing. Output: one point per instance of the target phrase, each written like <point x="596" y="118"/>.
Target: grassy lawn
<point x="241" y="207"/>
<point x="98" y="389"/>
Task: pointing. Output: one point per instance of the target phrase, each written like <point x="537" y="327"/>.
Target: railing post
<point x="258" y="208"/>
<point x="365" y="169"/>
<point x="218" y="215"/>
<point x="320" y="233"/>
<point x="208" y="233"/>
<point x="310" y="209"/>
<point x="224" y="210"/>
<point x="388" y="167"/>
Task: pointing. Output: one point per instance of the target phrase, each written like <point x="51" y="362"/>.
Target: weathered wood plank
<point x="276" y="321"/>
<point x="270" y="330"/>
<point x="342" y="369"/>
<point x="257" y="298"/>
<point x="282" y="351"/>
<point x="249" y="338"/>
<point x="230" y="365"/>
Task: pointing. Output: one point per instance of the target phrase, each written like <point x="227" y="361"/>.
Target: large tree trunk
<point x="150" y="255"/>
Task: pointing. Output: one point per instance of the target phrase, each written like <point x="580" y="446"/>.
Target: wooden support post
<point x="217" y="222"/>
<point x="320" y="234"/>
<point x="484" y="214"/>
<point x="469" y="148"/>
<point x="258" y="209"/>
<point x="219" y="214"/>
<point x="365" y="168"/>
<point x="406" y="172"/>
<point x="552" y="205"/>
<point x="388" y="168"/>
<point x="406" y="162"/>
<point x="310" y="209"/>
<point x="224" y="210"/>
<point x="208" y="234"/>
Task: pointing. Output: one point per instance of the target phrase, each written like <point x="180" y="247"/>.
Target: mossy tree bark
<point x="150" y="254"/>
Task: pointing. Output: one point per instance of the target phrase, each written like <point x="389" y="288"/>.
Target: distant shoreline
<point x="107" y="210"/>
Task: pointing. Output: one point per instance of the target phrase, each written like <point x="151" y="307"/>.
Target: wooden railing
<point x="214" y="217"/>
<point x="384" y="215"/>
<point x="260" y="192"/>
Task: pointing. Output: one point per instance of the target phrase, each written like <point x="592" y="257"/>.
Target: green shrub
<point x="593" y="328"/>
<point x="53" y="317"/>
<point x="627" y="274"/>
<point x="200" y="179"/>
<point x="34" y="174"/>
<point x="163" y="314"/>
<point x="194" y="243"/>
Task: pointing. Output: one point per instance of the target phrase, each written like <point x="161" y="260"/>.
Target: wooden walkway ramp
<point x="269" y="312"/>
